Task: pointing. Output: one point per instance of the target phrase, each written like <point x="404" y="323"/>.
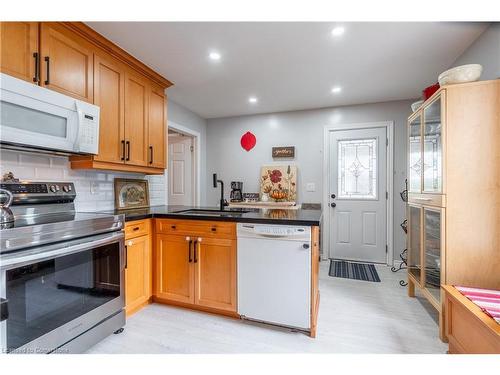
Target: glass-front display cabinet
<point x="432" y="148"/>
<point x="424" y="244"/>
<point x="432" y="251"/>
<point x="415" y="154"/>
<point x="414" y="245"/>
<point x="425" y="153"/>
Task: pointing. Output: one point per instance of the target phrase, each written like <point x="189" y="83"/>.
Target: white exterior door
<point x="358" y="186"/>
<point x="180" y="172"/>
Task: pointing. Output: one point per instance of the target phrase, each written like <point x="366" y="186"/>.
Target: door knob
<point x="305" y="246"/>
<point x="333" y="204"/>
<point x="333" y="196"/>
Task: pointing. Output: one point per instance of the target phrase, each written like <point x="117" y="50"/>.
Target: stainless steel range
<point x="61" y="272"/>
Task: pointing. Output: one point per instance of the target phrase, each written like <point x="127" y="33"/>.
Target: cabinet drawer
<point x="137" y="228"/>
<point x="436" y="200"/>
<point x="216" y="229"/>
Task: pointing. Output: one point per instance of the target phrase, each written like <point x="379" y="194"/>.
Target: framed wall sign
<point x="284" y="152"/>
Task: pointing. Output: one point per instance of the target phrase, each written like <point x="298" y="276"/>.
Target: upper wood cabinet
<point x="66" y="62"/>
<point x="19" y="50"/>
<point x="71" y="58"/>
<point x="157" y="128"/>
<point x="109" y="95"/>
<point x="136" y="119"/>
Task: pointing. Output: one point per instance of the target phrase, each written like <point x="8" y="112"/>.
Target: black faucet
<point x="222" y="202"/>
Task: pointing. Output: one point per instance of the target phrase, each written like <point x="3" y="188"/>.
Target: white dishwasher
<point x="274" y="274"/>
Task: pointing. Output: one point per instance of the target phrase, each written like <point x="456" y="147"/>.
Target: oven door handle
<point x="28" y="257"/>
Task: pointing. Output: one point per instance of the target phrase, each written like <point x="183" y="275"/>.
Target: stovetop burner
<point x="45" y="213"/>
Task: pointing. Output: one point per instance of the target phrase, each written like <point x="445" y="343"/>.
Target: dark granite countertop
<point x="264" y="216"/>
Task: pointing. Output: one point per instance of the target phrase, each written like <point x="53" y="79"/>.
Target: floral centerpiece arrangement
<point x="278" y="183"/>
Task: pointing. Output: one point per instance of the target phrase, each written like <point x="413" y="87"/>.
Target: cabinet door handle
<point x="47" y="60"/>
<point x="36" y="78"/>
<point x="126" y="256"/>
<point x="128" y="151"/>
<point x="123" y="150"/>
<point x="189" y="248"/>
<point x="151" y="154"/>
<point x="195" y="247"/>
<point x="135" y="229"/>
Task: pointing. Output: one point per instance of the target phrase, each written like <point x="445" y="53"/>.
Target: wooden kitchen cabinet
<point x="133" y="122"/>
<point x="157" y="130"/>
<point x="66" y="63"/>
<point x="19" y="52"/>
<point x="73" y="59"/>
<point x="136" y="119"/>
<point x="138" y="270"/>
<point x="174" y="271"/>
<point x="215" y="273"/>
<point x="196" y="268"/>
<point x="453" y="169"/>
<point x="109" y="95"/>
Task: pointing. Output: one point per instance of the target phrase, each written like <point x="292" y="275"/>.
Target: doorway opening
<point x="358" y="192"/>
<point x="183" y="166"/>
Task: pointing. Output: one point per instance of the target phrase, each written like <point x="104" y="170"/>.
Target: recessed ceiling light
<point x="214" y="56"/>
<point x="336" y="89"/>
<point x="338" y="31"/>
<point x="252" y="99"/>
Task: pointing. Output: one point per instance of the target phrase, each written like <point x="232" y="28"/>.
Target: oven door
<point x="58" y="292"/>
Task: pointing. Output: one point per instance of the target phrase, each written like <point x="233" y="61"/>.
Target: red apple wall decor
<point x="248" y="141"/>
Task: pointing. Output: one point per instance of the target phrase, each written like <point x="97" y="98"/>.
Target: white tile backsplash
<point x="95" y="191"/>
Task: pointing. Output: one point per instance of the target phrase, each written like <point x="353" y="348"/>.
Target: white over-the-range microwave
<point x="36" y="118"/>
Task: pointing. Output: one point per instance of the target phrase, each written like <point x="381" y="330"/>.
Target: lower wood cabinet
<point x="174" y="279"/>
<point x="196" y="270"/>
<point x="215" y="274"/>
<point x="138" y="269"/>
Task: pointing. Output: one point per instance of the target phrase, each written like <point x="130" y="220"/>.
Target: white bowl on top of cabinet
<point x="460" y="74"/>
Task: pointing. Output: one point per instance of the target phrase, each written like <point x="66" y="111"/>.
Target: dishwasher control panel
<point x="258" y="230"/>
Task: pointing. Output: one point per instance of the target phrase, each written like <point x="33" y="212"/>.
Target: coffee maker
<point x="236" y="191"/>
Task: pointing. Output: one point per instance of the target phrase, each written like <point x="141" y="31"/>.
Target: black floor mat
<point x="352" y="270"/>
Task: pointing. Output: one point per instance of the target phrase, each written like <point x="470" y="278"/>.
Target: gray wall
<point x="183" y="116"/>
<point x="485" y="51"/>
<point x="304" y="130"/>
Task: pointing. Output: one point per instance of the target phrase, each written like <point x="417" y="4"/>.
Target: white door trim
<point x="389" y="125"/>
<point x="197" y="157"/>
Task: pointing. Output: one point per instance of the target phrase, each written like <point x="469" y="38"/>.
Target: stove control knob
<point x="66" y="188"/>
<point x="53" y="188"/>
<point x="58" y="188"/>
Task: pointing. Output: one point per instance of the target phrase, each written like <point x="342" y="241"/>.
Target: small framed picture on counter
<point x="131" y="193"/>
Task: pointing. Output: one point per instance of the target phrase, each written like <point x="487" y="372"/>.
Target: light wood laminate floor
<point x="354" y="317"/>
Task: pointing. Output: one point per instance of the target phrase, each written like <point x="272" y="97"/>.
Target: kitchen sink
<point x="204" y="212"/>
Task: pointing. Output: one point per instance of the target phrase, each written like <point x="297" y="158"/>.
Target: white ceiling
<point x="294" y="65"/>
